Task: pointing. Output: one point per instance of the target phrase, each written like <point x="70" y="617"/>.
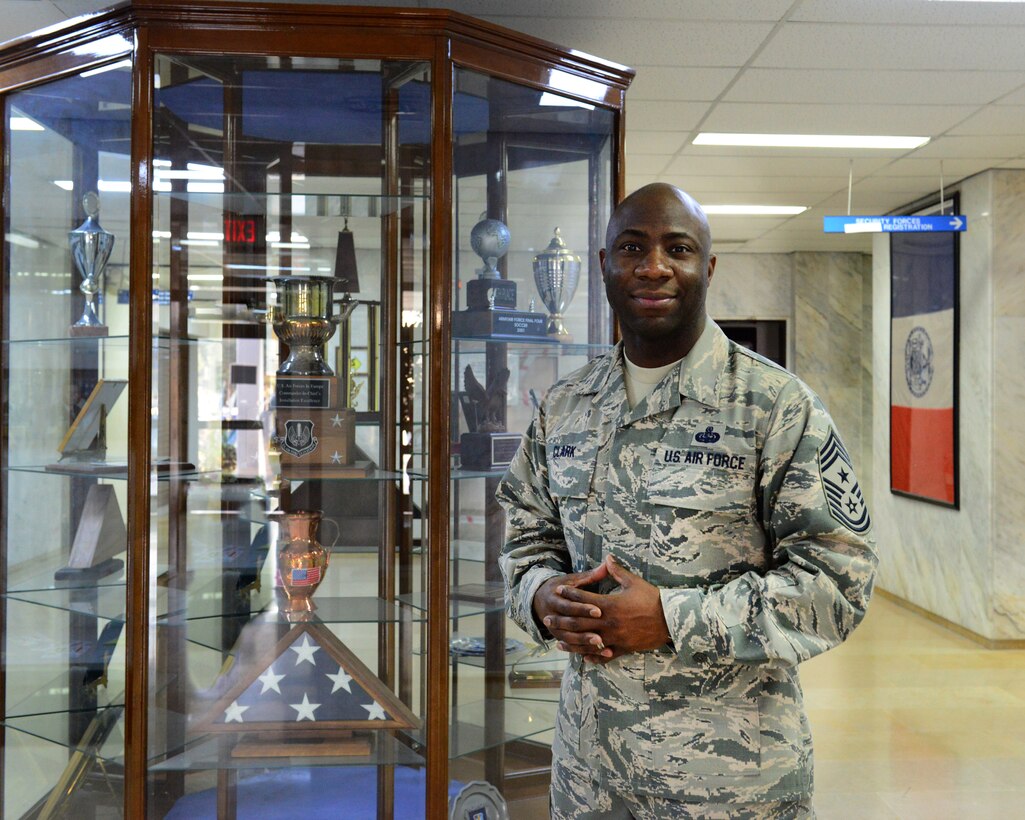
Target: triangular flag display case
<point x="279" y="298"/>
<point x="305" y="695"/>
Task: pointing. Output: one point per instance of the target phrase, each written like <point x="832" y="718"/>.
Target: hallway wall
<point x="967" y="565"/>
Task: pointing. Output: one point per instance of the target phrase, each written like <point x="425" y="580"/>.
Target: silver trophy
<point x="556" y="273"/>
<point x="90" y="248"/>
<point x="304" y="320"/>
<point x="489" y="239"/>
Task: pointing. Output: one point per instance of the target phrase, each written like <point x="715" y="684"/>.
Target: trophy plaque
<point x="556" y="273"/>
<point x="490" y="299"/>
<point x="315" y="431"/>
<point x="90" y="249"/>
<point x="487" y="445"/>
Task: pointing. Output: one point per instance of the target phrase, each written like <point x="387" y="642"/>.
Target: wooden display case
<point x="301" y="302"/>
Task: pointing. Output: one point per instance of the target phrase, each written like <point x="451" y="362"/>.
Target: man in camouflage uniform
<point x="688" y="543"/>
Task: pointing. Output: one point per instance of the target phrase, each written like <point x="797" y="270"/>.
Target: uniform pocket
<point x="706" y="736"/>
<point x="703" y="524"/>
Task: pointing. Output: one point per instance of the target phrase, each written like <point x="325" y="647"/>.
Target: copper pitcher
<point x="302" y="561"/>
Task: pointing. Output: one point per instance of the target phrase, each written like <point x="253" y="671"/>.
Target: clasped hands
<point x="602" y="627"/>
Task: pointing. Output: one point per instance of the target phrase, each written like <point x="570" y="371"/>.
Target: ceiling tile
<point x="648" y="163"/>
<point x="739" y="186"/>
<point x="820" y="45"/>
<point x="22" y="16"/>
<point x="953" y="169"/>
<point x="648" y="115"/>
<point x="781" y="85"/>
<point x="693" y="162"/>
<point x="1017" y="97"/>
<point x="994" y="120"/>
<point x="836" y="118"/>
<point x="652" y="142"/>
<point x="580" y="10"/>
<point x="957" y="147"/>
<point x="669" y="43"/>
<point x="927" y="14"/>
<point x="679" y="83"/>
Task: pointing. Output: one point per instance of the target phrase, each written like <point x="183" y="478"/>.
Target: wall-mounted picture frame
<point x="924" y="344"/>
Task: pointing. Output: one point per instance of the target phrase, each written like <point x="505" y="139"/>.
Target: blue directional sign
<point x="894" y="224"/>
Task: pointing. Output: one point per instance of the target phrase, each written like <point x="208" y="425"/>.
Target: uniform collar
<point x="699" y="376"/>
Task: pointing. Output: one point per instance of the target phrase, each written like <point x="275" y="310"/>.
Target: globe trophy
<point x="90" y="249"/>
<point x="556" y="273"/>
<point x="490" y="298"/>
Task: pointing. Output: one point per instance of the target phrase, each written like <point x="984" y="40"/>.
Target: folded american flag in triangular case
<point x="310" y="681"/>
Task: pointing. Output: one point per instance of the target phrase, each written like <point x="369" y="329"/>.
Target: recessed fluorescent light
<point x="810" y="141"/>
<point x="754" y="210"/>
<point x="25" y="124"/>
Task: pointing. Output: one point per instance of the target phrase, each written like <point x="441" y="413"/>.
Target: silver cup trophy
<point x="90" y="249"/>
<point x="304" y="320"/>
<point x="556" y="273"/>
<point x="314" y="430"/>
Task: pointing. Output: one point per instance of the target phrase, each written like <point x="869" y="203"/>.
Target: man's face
<point x="656" y="270"/>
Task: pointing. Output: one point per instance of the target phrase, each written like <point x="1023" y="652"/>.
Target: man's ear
<point x="711" y="266"/>
<point x="601" y="262"/>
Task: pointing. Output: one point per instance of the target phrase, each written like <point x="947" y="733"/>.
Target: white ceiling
<point x="952" y="71"/>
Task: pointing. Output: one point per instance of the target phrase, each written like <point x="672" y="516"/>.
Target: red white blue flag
<point x="923" y="366"/>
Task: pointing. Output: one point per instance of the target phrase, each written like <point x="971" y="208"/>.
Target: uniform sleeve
<point x="535" y="548"/>
<point x="823" y="558"/>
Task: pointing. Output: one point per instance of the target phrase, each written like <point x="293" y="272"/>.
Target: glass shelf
<point x="522" y="719"/>
<point x="108" y="602"/>
<point x="53" y="727"/>
<point x="107" y="471"/>
<point x="44" y="581"/>
<point x="459" y="607"/>
<point x="52" y="699"/>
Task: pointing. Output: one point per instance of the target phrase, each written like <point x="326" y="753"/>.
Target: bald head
<point x="657" y="197"/>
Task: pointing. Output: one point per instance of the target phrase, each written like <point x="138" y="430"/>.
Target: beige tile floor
<point x="913" y="721"/>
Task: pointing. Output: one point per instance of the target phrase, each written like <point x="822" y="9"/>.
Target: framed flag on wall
<point x="924" y="363"/>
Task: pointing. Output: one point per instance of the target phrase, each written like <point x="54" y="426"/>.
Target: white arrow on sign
<point x="956" y="222"/>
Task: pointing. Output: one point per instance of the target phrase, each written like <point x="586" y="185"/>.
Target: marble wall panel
<point x="1008" y="220"/>
<point x="1008" y="214"/>
<point x="752" y="286"/>
<point x="830" y="323"/>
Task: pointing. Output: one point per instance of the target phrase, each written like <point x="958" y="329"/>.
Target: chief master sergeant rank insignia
<point x="843" y="495"/>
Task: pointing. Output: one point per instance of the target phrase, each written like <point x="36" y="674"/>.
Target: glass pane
<point x="532" y="197"/>
<point x="290" y="220"/>
<point x="65" y="379"/>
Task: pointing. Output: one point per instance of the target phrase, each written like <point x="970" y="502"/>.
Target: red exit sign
<point x="240" y="231"/>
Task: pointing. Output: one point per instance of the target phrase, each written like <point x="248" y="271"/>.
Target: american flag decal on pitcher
<point x="306" y="576"/>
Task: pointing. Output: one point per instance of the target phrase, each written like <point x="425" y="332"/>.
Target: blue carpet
<point x="311" y="793"/>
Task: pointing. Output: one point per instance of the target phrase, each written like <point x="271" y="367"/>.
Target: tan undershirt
<point x="640" y="381"/>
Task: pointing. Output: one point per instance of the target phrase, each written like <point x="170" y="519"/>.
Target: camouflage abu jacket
<point x="730" y="490"/>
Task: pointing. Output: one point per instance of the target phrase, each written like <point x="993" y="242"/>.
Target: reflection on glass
<point x="65" y="614"/>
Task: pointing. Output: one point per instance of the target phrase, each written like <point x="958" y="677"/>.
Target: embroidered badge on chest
<point x="843" y="494"/>
<point x="708" y="435"/>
